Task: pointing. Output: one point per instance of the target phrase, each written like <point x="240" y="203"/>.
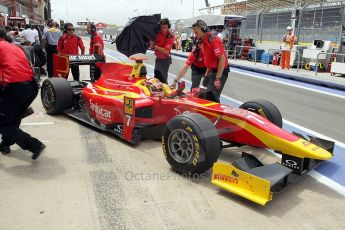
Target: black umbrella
<point x="136" y="35"/>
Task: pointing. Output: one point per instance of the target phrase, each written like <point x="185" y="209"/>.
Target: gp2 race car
<point x="193" y="130"/>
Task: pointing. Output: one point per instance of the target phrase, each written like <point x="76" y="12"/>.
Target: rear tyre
<point x="56" y="95"/>
<point x="191" y="143"/>
<point x="265" y="109"/>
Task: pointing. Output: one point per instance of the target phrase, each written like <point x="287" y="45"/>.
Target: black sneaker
<point x="37" y="152"/>
<point x="28" y="112"/>
<point x="36" y="147"/>
<point x="4" y="149"/>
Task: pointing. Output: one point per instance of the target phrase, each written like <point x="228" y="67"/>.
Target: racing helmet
<point x="154" y="85"/>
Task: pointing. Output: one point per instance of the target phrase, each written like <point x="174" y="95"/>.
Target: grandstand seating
<point x="318" y="22"/>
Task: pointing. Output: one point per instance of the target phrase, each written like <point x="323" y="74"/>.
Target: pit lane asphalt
<point x="87" y="179"/>
<point x="319" y="112"/>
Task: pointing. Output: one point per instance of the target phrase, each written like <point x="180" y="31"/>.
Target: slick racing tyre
<point x="191" y="143"/>
<point x="265" y="109"/>
<point x="56" y="95"/>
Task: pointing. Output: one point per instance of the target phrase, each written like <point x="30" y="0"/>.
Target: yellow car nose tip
<point x="325" y="155"/>
<point x="316" y="152"/>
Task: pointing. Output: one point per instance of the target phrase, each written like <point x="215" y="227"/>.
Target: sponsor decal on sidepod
<point x="99" y="110"/>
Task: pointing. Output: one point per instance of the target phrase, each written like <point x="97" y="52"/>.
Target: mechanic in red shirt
<point x="68" y="45"/>
<point x="196" y="62"/>
<point x="96" y="48"/>
<point x="20" y="89"/>
<point x="96" y="43"/>
<point x="215" y="59"/>
<point x="162" y="46"/>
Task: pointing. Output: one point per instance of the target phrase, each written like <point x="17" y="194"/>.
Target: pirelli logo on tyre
<point x="164" y="147"/>
<point x="262" y="113"/>
<point x="196" y="145"/>
<point x="129" y="105"/>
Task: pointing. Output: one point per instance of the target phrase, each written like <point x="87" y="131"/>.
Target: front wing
<point x="249" y="178"/>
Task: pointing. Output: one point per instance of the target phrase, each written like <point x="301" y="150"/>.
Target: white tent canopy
<point x="210" y="19"/>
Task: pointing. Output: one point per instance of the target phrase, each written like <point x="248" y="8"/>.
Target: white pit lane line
<point x="318" y="176"/>
<point x="289" y="84"/>
<point x="37" y="123"/>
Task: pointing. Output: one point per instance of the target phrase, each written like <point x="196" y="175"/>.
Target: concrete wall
<point x="269" y="45"/>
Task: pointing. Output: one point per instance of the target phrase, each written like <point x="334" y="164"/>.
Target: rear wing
<point x="62" y="64"/>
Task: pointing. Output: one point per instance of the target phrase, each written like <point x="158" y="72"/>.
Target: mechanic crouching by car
<point x="162" y="46"/>
<point x="195" y="60"/>
<point x="68" y="45"/>
<point x="215" y="60"/>
<point x="20" y="89"/>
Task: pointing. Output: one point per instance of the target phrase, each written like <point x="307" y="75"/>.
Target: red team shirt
<point x="166" y="41"/>
<point x="69" y="45"/>
<point x="196" y="61"/>
<point x="213" y="48"/>
<point x="96" y="39"/>
<point x="14" y="65"/>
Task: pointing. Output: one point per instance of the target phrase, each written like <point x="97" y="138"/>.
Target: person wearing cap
<point x="288" y="41"/>
<point x="96" y="42"/>
<point x="51" y="37"/>
<point x="96" y="48"/>
<point x="162" y="46"/>
<point x="68" y="45"/>
<point x="215" y="60"/>
<point x="48" y="26"/>
<point x="19" y="91"/>
<point x="195" y="61"/>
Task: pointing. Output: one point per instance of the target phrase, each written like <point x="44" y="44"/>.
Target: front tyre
<point x="191" y="143"/>
<point x="265" y="109"/>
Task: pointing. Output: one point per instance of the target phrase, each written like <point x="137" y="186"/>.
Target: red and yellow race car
<point x="125" y="102"/>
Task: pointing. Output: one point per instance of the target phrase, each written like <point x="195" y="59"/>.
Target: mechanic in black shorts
<point x="162" y="46"/>
<point x="20" y="89"/>
<point x="215" y="59"/>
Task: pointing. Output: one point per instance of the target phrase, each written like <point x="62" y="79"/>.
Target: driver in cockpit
<point x="157" y="88"/>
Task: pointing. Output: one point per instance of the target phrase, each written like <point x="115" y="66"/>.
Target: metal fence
<point x="315" y="21"/>
<point x="322" y="23"/>
<point x="249" y="27"/>
<point x="274" y="26"/>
